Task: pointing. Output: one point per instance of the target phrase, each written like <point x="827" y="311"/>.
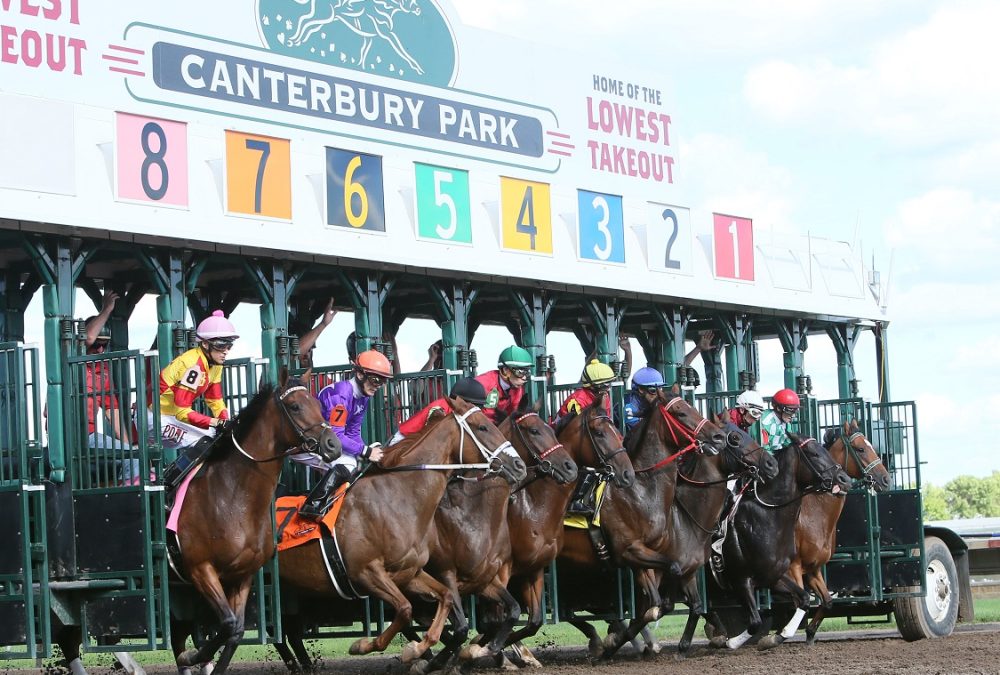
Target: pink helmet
<point x="217" y="327"/>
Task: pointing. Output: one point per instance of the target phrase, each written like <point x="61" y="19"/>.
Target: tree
<point x="972" y="497"/>
<point x="936" y="503"/>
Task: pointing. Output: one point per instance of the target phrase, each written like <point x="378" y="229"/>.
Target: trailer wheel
<point x="935" y="614"/>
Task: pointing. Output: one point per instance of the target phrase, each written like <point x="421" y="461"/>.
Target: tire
<point x="935" y="614"/>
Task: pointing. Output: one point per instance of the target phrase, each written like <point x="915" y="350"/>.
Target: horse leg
<point x="238" y="604"/>
<point x="749" y="602"/>
<point x="648" y="612"/>
<point x="206" y="581"/>
<point x="130" y="665"/>
<point x="500" y="631"/>
<point x="69" y="638"/>
<point x="531" y="591"/>
<point x="398" y="47"/>
<point x="459" y="624"/>
<point x="301" y="22"/>
<point x="315" y="25"/>
<point x="696" y="609"/>
<point x="800" y="598"/>
<point x="595" y="645"/>
<point x="818" y="585"/>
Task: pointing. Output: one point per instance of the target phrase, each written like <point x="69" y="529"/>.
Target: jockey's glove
<point x="367" y="452"/>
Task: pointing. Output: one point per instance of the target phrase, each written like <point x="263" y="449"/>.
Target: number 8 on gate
<point x="151" y="160"/>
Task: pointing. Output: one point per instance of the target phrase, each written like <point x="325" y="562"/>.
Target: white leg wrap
<point x="207" y="668"/>
<point x="793" y="625"/>
<point x="131" y="666"/>
<point x="739" y="640"/>
<point x="76" y="667"/>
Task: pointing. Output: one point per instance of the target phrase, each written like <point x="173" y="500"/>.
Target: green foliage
<point x="964" y="497"/>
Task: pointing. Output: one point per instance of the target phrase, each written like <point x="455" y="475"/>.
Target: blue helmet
<point x="647" y="377"/>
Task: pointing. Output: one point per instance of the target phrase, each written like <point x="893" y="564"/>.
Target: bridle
<point x="734" y="441"/>
<point x="308" y="443"/>
<point x="680" y="432"/>
<point x="852" y="453"/>
<point x="607" y="470"/>
<point x="822" y="484"/>
<point x="542" y="466"/>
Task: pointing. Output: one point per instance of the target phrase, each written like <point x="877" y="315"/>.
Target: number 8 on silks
<point x="354" y="192"/>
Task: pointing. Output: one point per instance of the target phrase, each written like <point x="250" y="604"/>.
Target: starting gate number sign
<point x="602" y="229"/>
<point x="258" y="175"/>
<point x="151" y="160"/>
<point x="354" y="192"/>
<point x="443" y="210"/>
<point x="525" y="216"/>
<point x="733" y="247"/>
<point x="668" y="238"/>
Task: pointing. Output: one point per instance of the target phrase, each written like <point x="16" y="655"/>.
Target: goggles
<point x="600" y="387"/>
<point x="649" y="388"/>
<point x="753" y="412"/>
<point x="519" y="372"/>
<point x="374" y="380"/>
<point x="220" y="345"/>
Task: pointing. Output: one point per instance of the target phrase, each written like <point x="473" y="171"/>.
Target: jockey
<point x="505" y="385"/>
<point x="344" y="406"/>
<point x="196" y="372"/>
<point x="774" y="423"/>
<point x="597" y="378"/>
<point x="749" y="408"/>
<point x="645" y="384"/>
<point x="467" y="388"/>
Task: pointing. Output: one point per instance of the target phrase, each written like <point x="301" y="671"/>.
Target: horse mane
<point x="523" y="406"/>
<point x="244" y="421"/>
<point x="830" y="437"/>
<point x="564" y="422"/>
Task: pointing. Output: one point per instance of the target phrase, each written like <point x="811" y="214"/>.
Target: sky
<point x="868" y="122"/>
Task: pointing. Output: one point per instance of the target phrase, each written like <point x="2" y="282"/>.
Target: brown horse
<point x="224" y="531"/>
<point x="537" y="511"/>
<point x="471" y="544"/>
<point x="816" y="530"/>
<point x="386" y="517"/>
<point x="635" y="520"/>
<point x="698" y="503"/>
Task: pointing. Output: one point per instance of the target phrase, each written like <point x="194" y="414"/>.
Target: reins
<point x="308" y="443"/>
<point x="808" y="490"/>
<point x="676" y="428"/>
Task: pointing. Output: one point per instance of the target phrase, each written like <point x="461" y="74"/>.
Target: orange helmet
<point x="372" y="362"/>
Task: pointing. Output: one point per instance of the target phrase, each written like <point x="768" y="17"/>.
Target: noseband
<point x="308" y="443"/>
<point x="543" y="466"/>
<point x="852" y="453"/>
<point x="677" y="428"/>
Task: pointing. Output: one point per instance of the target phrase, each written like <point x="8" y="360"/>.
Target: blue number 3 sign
<point x="602" y="232"/>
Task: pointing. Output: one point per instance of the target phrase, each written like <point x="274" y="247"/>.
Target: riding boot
<point x="318" y="500"/>
<point x="584" y="501"/>
<point x="187" y="458"/>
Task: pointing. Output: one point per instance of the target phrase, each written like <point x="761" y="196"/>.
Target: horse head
<point x="817" y="470"/>
<point x="683" y="419"/>
<point x="742" y="452"/>
<point x="849" y="446"/>
<point x="597" y="443"/>
<point x="537" y="445"/>
<point x="486" y="443"/>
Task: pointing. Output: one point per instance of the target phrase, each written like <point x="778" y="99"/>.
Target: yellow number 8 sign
<point x="258" y="175"/>
<point x="526" y="215"/>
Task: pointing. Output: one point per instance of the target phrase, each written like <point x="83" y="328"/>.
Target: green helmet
<point x="515" y="357"/>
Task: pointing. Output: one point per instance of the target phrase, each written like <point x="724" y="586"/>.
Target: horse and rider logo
<point x="404" y="39"/>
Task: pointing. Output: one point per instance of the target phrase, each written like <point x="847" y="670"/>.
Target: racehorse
<point x="385" y="519"/>
<point x="224" y="530"/>
<point x="470" y="543"/>
<point x="699" y="500"/>
<point x="634" y="520"/>
<point x="816" y="530"/>
<point x="537" y="510"/>
<point x="760" y="542"/>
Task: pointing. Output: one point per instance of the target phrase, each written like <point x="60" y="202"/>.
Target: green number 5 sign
<point x="443" y="211"/>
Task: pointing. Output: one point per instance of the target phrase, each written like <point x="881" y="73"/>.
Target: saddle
<point x="585" y="514"/>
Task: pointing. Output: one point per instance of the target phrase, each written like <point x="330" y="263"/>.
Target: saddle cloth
<point x="581" y="521"/>
<point x="294" y="531"/>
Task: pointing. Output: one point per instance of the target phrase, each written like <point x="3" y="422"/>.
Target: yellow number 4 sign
<point x="526" y="215"/>
<point x="258" y="175"/>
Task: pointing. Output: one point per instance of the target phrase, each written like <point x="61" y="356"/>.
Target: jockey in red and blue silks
<point x="645" y="384"/>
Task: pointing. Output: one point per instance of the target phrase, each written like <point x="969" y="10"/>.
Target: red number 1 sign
<point x="733" y="247"/>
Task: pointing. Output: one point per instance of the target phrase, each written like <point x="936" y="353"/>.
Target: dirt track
<point x="971" y="650"/>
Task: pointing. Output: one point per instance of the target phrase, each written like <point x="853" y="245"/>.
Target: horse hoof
<point x="718" y="642"/>
<point x="595" y="650"/>
<point x="709" y="631"/>
<point x="610" y="642"/>
<point x="207" y="668"/>
<point x="810" y="639"/>
<point x="651" y="651"/>
<point x="419" y="667"/>
<point x="472" y="652"/>
<point x="411" y="652"/>
<point x="360" y="646"/>
<point x="186" y="660"/>
<point x="770" y="641"/>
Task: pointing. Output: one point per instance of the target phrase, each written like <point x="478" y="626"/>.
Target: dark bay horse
<point x="537" y="510"/>
<point x="634" y="519"/>
<point x="816" y="530"/>
<point x="699" y="500"/>
<point x="386" y="517"/>
<point x="760" y="543"/>
<point x="225" y="532"/>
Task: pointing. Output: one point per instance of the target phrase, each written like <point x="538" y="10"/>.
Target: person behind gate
<point x="344" y="406"/>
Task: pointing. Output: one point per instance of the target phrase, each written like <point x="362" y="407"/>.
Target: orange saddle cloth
<point x="294" y="531"/>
